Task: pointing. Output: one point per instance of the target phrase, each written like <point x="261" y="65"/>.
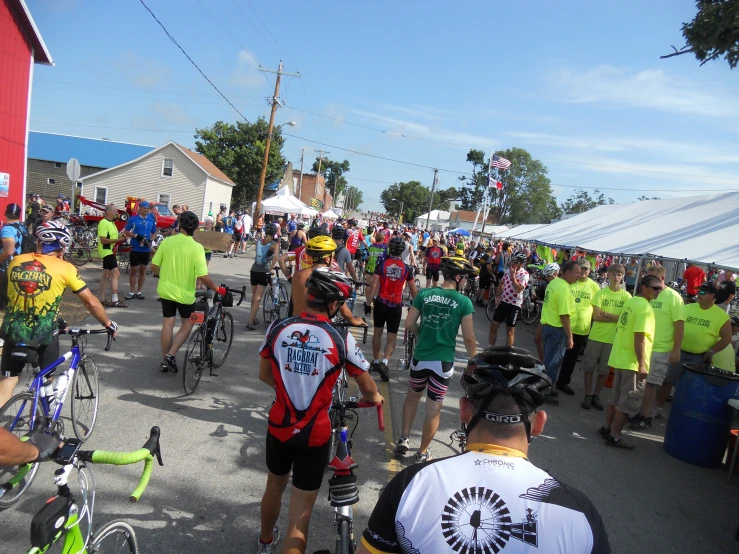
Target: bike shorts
<point x="138" y="258"/>
<point x="485" y="281"/>
<point x="259" y="278"/>
<point x="46" y="355"/>
<point x="110" y="262"/>
<point x="236" y="237"/>
<point x="421" y="376"/>
<point x="308" y="463"/>
<point x="508" y="313"/>
<point x="170" y="309"/>
<point x="432" y="273"/>
<point x="387" y="315"/>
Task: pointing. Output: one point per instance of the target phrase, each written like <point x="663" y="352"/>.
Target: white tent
<point x="330" y="214"/>
<point x="284" y="202"/>
<point x="698" y="228"/>
<point x="517" y="230"/>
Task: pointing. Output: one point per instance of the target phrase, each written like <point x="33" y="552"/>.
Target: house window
<point x="163" y="198"/>
<point x="58" y="165"/>
<point x="79" y="184"/>
<point x="167" y="167"/>
<point x="101" y="195"/>
<point x="50" y="181"/>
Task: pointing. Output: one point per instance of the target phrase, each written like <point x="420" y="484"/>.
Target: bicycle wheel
<point x="528" y="311"/>
<point x="16" y="417"/>
<point x="344" y="538"/>
<point x="85" y="398"/>
<point x="222" y="339"/>
<point x="283" y="303"/>
<point x="195" y="360"/>
<point x="490" y="309"/>
<point x="116" y="536"/>
<point x="268" y="306"/>
<point x="410" y="346"/>
<point x="79" y="253"/>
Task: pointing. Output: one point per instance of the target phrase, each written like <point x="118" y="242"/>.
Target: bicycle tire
<point x="283" y="303"/>
<point x="268" y="306"/>
<point x="223" y="336"/>
<point x="78" y="254"/>
<point x="490" y="308"/>
<point x="85" y="398"/>
<point x="529" y="311"/>
<point x="344" y="538"/>
<point x="22" y="427"/>
<point x="119" y="530"/>
<point x="195" y="360"/>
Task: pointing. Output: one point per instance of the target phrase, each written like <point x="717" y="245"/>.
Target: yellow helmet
<point x="320" y="247"/>
<point x="457" y="265"/>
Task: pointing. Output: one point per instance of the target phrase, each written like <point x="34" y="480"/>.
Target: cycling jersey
<point x="433" y="257"/>
<point x="353" y="236"/>
<point x="490" y="499"/>
<point x="393" y="274"/>
<point x="306" y="354"/>
<point x="263" y="257"/>
<point x="376" y="251"/>
<point x="144" y="227"/>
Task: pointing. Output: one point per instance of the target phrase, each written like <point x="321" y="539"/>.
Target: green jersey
<point x="376" y="251"/>
<point x="442" y="311"/>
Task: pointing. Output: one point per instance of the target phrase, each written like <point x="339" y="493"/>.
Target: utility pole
<point x="274" y="101"/>
<point x="300" y="182"/>
<point x="431" y="201"/>
<point x="321" y="152"/>
<point x="400" y="212"/>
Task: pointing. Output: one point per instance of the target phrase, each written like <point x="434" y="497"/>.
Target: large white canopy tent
<point x="701" y="229"/>
<point x="284" y="202"/>
<point x="517" y="230"/>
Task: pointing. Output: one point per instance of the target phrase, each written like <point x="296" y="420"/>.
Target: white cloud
<point x="142" y="72"/>
<point x="423" y="112"/>
<point x="171" y="113"/>
<point x="246" y="73"/>
<point x="651" y="88"/>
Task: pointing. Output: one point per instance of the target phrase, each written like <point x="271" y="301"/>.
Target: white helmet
<point x="551" y="270"/>
<point x="53" y="232"/>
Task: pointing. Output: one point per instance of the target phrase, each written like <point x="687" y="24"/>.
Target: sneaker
<point x="252" y="326"/>
<point x="621" y="442"/>
<point x="402" y="446"/>
<point x="268" y="548"/>
<point x="420" y="458"/>
<point x="384" y="371"/>
<point x="587" y="402"/>
<point x="554" y="394"/>
<point x="171" y="363"/>
<point x="596" y="403"/>
<point x="604" y="433"/>
<point x="655" y="413"/>
<point x="553" y="400"/>
<point x="130" y="296"/>
<point x="225" y="255"/>
<point x="140" y="295"/>
<point x="567" y="389"/>
<point x="641" y="423"/>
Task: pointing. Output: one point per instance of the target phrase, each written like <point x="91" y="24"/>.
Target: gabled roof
<point x="91" y="152"/>
<point x="465" y="215"/>
<point x="40" y="52"/>
<point x="203" y="163"/>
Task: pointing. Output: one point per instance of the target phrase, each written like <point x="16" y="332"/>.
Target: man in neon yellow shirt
<point x="557" y="315"/>
<point x="607" y="304"/>
<point x="629" y="359"/>
<point x="107" y="240"/>
<point x="583" y="290"/>
<point x="669" y="320"/>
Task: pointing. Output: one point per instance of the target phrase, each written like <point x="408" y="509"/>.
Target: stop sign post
<point x="73" y="172"/>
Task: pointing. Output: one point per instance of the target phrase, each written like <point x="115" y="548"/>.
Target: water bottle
<point x="60" y="389"/>
<point x="275" y="289"/>
<point x="48" y="390"/>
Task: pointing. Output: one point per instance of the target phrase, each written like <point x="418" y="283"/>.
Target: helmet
<point x="396" y="246"/>
<point x="506" y="370"/>
<point x="352" y="222"/>
<point x="188" y="222"/>
<point x="315" y="231"/>
<point x="456" y="265"/>
<point x="301" y="224"/>
<point x="320" y="247"/>
<point x="54" y="232"/>
<point x="270" y="229"/>
<point x="325" y="286"/>
<point x="551" y="270"/>
<point x="338" y="232"/>
<point x="519" y="257"/>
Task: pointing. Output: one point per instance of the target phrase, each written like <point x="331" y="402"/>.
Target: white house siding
<point x="217" y="193"/>
<point x="144" y="179"/>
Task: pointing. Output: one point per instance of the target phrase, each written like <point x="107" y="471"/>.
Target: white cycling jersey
<point x="486" y="500"/>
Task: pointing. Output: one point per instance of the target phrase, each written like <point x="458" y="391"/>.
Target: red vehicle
<point x="162" y="214"/>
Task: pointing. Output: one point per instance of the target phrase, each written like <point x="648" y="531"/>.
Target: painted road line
<point x="393" y="465"/>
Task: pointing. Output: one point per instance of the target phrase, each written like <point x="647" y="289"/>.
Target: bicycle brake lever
<point x="158" y="454"/>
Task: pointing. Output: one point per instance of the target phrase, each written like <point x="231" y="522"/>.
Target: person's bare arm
<point x="539" y="342"/>
<point x="8" y="249"/>
<point x="265" y="372"/>
<point x="208" y="282"/>
<point x="15" y="452"/>
<point x="517" y="286"/>
<point x="677" y="341"/>
<point x="282" y="260"/>
<point x="605" y="317"/>
<point x="94" y="306"/>
<point x="411" y="320"/>
<point x="349" y="267"/>
<point x="640" y="349"/>
<point x="468" y="334"/>
<point x="275" y="257"/>
<point x="565" y="319"/>
<point x="155" y="270"/>
<point x="412" y="286"/>
<point x="368" y="388"/>
<point x="374" y="289"/>
<point x="346" y="313"/>
<point x="724" y="339"/>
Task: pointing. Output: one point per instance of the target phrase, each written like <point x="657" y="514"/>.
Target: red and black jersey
<point x="306" y="354"/>
<point x="353" y="236"/>
<point x="433" y="257"/>
<point x="393" y="274"/>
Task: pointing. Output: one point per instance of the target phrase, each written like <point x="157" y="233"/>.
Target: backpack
<point x="28" y="241"/>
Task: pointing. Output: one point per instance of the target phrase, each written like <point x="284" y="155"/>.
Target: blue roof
<point x="90" y="152"/>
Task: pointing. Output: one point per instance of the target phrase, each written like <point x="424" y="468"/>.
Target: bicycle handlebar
<point x="364" y="404"/>
<point x="78" y="332"/>
<point x="145" y="454"/>
<point x="241" y="292"/>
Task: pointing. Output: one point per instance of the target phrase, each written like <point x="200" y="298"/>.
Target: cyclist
<point x="141" y="229"/>
<point x="441" y="311"/>
<point x="108" y="238"/>
<point x="376" y="250"/>
<point x="38" y="447"/>
<point x="267" y="253"/>
<point x="492" y="494"/>
<point x="302" y="358"/>
<point x="434" y="253"/>
<point x="391" y="276"/>
<point x="246" y="225"/>
<point x="179" y="262"/>
<point x="298" y="237"/>
<point x="353" y="238"/>
<point x="509" y="298"/>
<point x="408" y="256"/>
<point x="343" y="255"/>
<point x="36" y="283"/>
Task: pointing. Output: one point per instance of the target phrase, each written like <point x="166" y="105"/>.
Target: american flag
<point x="499" y="162"/>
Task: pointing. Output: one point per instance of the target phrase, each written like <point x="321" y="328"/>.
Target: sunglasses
<point x="702" y="292"/>
<point x="655" y="288"/>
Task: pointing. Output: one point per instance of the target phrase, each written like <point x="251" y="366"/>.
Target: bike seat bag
<point x="24" y="355"/>
<point x="342" y="490"/>
<point x="49" y="521"/>
<point x="227" y="300"/>
<point x="201" y="306"/>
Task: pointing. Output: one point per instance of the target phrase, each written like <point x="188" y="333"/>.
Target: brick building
<point x="312" y="192"/>
<point x="465" y="219"/>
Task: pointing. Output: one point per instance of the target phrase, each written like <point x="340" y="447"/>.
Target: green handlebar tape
<point x="127" y="458"/>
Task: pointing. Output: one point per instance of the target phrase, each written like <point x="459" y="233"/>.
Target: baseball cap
<point x="707" y="288"/>
<point x="144" y="204"/>
<point x="47" y="208"/>
<point x="210" y="213"/>
<point x="583" y="262"/>
<point x="13" y="210"/>
<point x="60" y="196"/>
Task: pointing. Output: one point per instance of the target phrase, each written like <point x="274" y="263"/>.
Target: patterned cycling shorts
<point x="420" y="378"/>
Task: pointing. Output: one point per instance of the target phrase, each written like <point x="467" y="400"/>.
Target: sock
<point x="384" y="361"/>
<point x="375" y="361"/>
<point x="114" y="297"/>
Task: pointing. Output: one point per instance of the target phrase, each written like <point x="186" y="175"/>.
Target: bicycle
<point x="361" y="276"/>
<point x="61" y="516"/>
<point x="80" y="251"/>
<point x="274" y="302"/>
<point x="530" y="307"/>
<point x="343" y="491"/>
<point x="407" y="299"/>
<point x="210" y="343"/>
<point x="460" y="437"/>
<point x="409" y="344"/>
<point x="42" y="403"/>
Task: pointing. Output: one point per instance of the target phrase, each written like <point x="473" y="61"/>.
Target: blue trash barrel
<point x="700" y="419"/>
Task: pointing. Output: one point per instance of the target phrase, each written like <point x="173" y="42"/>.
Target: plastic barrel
<point x="700" y="418"/>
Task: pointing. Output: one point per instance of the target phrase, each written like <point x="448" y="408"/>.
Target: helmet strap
<point x="482" y="413"/>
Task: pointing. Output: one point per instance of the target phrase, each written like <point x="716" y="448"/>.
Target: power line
<point x="270" y="34"/>
<point x="255" y="28"/>
<point x="192" y="62"/>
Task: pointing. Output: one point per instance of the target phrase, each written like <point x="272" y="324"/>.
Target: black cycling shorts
<point x="139" y="258"/>
<point x="485" y="281"/>
<point x="46" y="355"/>
<point x="259" y="278"/>
<point x="110" y="262"/>
<point x="236" y="237"/>
<point x="508" y="313"/>
<point x="387" y="315"/>
<point x="419" y="379"/>
<point x="170" y="309"/>
<point x="432" y="274"/>
<point x="307" y="462"/>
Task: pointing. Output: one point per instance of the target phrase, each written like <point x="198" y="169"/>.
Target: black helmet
<point x="316" y="231"/>
<point x="301" y="224"/>
<point x="396" y="246"/>
<point x="338" y="232"/>
<point x="270" y="229"/>
<point x="352" y="222"/>
<point x="325" y="286"/>
<point x="188" y="222"/>
<point x="506" y="370"/>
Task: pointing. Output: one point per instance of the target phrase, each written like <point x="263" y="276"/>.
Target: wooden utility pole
<point x="300" y="182"/>
<point x="274" y="101"/>
<point x="321" y="152"/>
<point x="431" y="201"/>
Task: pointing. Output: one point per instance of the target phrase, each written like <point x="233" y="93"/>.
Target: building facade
<point x="464" y="219"/>
<point x="312" y="191"/>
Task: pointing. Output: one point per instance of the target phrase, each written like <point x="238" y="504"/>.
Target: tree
<point x="333" y="172"/>
<point x="353" y="198"/>
<point x="415" y="199"/>
<point x="473" y="188"/>
<point x="581" y="201"/>
<point x="642" y="197"/>
<point x="238" y="151"/>
<point x="713" y="33"/>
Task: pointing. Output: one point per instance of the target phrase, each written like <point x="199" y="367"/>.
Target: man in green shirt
<point x="607" y="305"/>
<point x="442" y="310"/>
<point x="107" y="239"/>
<point x="179" y="263"/>
<point x="629" y="359"/>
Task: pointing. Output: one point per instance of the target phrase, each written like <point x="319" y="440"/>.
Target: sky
<point x="579" y="84"/>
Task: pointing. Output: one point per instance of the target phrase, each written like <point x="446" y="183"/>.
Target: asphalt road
<point x="207" y="495"/>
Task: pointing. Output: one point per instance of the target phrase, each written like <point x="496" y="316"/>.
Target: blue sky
<point x="577" y="83"/>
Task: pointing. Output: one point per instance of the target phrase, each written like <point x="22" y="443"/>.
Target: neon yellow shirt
<point x="668" y="308"/>
<point x="107" y="229"/>
<point x="545" y="253"/>
<point x="181" y="261"/>
<point x="558" y="301"/>
<point x="583" y="294"/>
<point x="637" y="316"/>
<point x="725" y="359"/>
<point x="609" y="302"/>
<point x="702" y="327"/>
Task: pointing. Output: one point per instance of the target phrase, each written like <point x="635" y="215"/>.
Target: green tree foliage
<point x="333" y="172"/>
<point x="713" y="33"/>
<point x="238" y="151"/>
<point x="642" y="197"/>
<point x="581" y="201"/>
<point x="473" y="189"/>
<point x="415" y="198"/>
<point x="353" y="198"/>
